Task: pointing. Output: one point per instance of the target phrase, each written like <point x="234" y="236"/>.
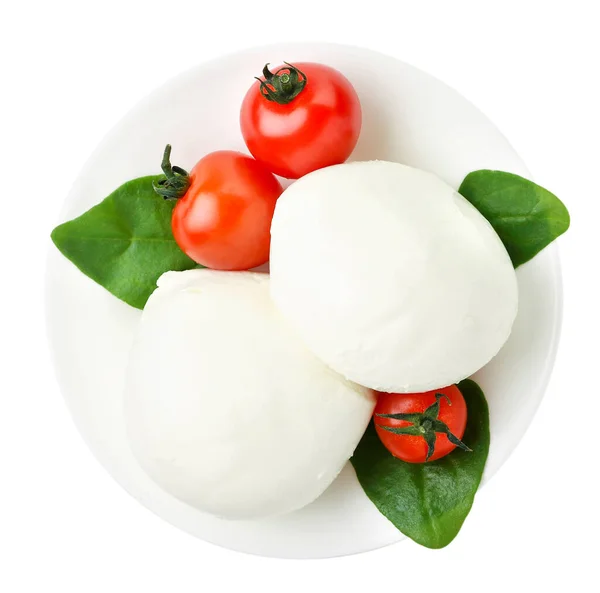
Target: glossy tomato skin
<point x="413" y="449"/>
<point x="224" y="219"/>
<point x="318" y="128"/>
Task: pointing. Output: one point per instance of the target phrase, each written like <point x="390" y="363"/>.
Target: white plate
<point x="409" y="117"/>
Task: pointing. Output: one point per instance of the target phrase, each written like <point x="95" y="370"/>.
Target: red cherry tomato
<point x="301" y="118"/>
<point x="419" y="427"/>
<point x="223" y="218"/>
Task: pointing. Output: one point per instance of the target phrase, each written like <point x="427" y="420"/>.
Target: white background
<point x="70" y="70"/>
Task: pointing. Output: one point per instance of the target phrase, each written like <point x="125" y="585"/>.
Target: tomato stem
<point x="176" y="180"/>
<point x="282" y="86"/>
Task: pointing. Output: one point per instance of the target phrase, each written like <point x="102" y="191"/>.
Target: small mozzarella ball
<point x="390" y="276"/>
<point x="226" y="409"/>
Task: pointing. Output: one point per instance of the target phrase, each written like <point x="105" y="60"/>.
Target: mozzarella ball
<point x="226" y="409"/>
<point x="390" y="276"/>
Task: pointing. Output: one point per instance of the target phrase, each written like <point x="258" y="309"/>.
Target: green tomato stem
<point x="283" y="86"/>
<point x="176" y="181"/>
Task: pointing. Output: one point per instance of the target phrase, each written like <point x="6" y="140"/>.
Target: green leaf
<point x="428" y="502"/>
<point x="527" y="217"/>
<point x="125" y="243"/>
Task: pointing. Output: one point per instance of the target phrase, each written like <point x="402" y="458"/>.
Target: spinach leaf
<point x="125" y="243"/>
<point x="527" y="217"/>
<point x="428" y="502"/>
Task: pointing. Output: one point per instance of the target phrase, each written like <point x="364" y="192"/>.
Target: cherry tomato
<point x="222" y="219"/>
<point x="419" y="427"/>
<point x="301" y="118"/>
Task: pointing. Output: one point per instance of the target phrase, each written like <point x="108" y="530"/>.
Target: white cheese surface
<point x="391" y="277"/>
<point x="226" y="409"/>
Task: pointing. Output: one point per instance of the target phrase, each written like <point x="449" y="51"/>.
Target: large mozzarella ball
<point x="226" y="409"/>
<point x="390" y="276"/>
